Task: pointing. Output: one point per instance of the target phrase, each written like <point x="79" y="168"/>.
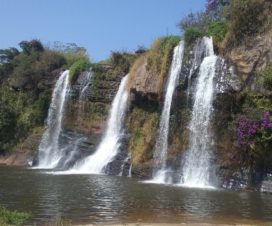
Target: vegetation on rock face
<point x="78" y="67"/>
<point x="156" y="61"/>
<point x="267" y="77"/>
<point x="12" y="218"/>
<point x="230" y="22"/>
<point x="142" y="125"/>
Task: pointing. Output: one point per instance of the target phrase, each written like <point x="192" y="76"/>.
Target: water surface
<point x="98" y="198"/>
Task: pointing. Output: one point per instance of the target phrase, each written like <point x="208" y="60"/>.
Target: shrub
<point x="218" y="30"/>
<point x="191" y="34"/>
<point x="78" y="67"/>
<point x="267" y="78"/>
<point x="33" y="45"/>
<point x="254" y="139"/>
<point x="13" y="217"/>
<point x="71" y="52"/>
<point x="121" y="62"/>
<point x="247" y="18"/>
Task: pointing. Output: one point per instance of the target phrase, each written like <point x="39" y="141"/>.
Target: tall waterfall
<point x="197" y="171"/>
<point x="160" y="154"/>
<point x="49" y="152"/>
<point x="110" y="144"/>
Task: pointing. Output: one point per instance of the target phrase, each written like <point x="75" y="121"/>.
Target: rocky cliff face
<point x="251" y="58"/>
<point x="237" y="71"/>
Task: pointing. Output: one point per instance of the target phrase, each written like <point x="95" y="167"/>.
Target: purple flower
<point x="266" y="123"/>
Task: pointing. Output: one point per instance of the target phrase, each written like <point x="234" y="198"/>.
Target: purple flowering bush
<point x="254" y="139"/>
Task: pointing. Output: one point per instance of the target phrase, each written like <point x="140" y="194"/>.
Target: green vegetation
<point x="191" y="34"/>
<point x="77" y="67"/>
<point x="142" y="124"/>
<point x="158" y="59"/>
<point x="20" y="112"/>
<point x="218" y="30"/>
<point x="245" y="19"/>
<point x="24" y="90"/>
<point x="267" y="77"/>
<point x="230" y="22"/>
<point x="12" y="218"/>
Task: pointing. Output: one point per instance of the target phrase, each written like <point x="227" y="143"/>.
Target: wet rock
<point x="266" y="185"/>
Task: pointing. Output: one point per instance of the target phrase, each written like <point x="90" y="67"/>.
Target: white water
<point x="198" y="51"/>
<point x="110" y="144"/>
<point x="85" y="85"/>
<point x="123" y="166"/>
<point x="160" y="154"/>
<point x="197" y="170"/>
<point x="129" y="171"/>
<point x="49" y="152"/>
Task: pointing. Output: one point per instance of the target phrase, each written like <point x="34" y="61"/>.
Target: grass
<point x="157" y="59"/>
<point x="8" y="217"/>
<point x="78" y="67"/>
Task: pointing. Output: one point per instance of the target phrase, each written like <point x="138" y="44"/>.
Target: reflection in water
<point x="98" y="198"/>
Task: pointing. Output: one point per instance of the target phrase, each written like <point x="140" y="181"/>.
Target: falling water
<point x="197" y="171"/>
<point x="49" y="152"/>
<point x="130" y="170"/>
<point x="110" y="144"/>
<point x="85" y="85"/>
<point x="199" y="51"/>
<point x="125" y="162"/>
<point x="160" y="154"/>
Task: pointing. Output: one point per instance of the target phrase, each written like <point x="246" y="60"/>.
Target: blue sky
<point x="101" y="26"/>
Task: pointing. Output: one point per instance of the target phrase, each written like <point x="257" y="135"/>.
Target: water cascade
<point x="160" y="154"/>
<point x="49" y="152"/>
<point x="197" y="170"/>
<point x="198" y="52"/>
<point x="85" y="85"/>
<point x="110" y="144"/>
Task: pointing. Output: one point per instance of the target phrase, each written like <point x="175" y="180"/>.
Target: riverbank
<point x="179" y="224"/>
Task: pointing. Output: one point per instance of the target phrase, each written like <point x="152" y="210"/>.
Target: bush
<point x="78" y="67"/>
<point x="267" y="78"/>
<point x="247" y="18"/>
<point x="13" y="217"/>
<point x="191" y="34"/>
<point x="159" y="58"/>
<point x="218" y="30"/>
<point x="29" y="46"/>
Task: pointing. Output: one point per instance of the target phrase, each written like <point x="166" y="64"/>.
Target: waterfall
<point x="161" y="146"/>
<point x="199" y="51"/>
<point x="197" y="171"/>
<point x="129" y="171"/>
<point x="110" y="144"/>
<point x="85" y="85"/>
<point x="125" y="162"/>
<point x="49" y="152"/>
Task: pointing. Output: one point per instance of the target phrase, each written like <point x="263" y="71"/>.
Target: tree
<point x="33" y="45"/>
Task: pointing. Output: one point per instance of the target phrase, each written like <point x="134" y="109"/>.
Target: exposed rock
<point x="253" y="55"/>
<point x="22" y="154"/>
<point x="145" y="83"/>
<point x="226" y="79"/>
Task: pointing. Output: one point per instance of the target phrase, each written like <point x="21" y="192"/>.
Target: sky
<point x="100" y="26"/>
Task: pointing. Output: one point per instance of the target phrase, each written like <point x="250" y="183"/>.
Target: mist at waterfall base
<point x="161" y="146"/>
<point x="111" y="142"/>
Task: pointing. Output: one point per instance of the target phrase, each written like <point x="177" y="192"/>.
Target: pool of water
<point x="109" y="199"/>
